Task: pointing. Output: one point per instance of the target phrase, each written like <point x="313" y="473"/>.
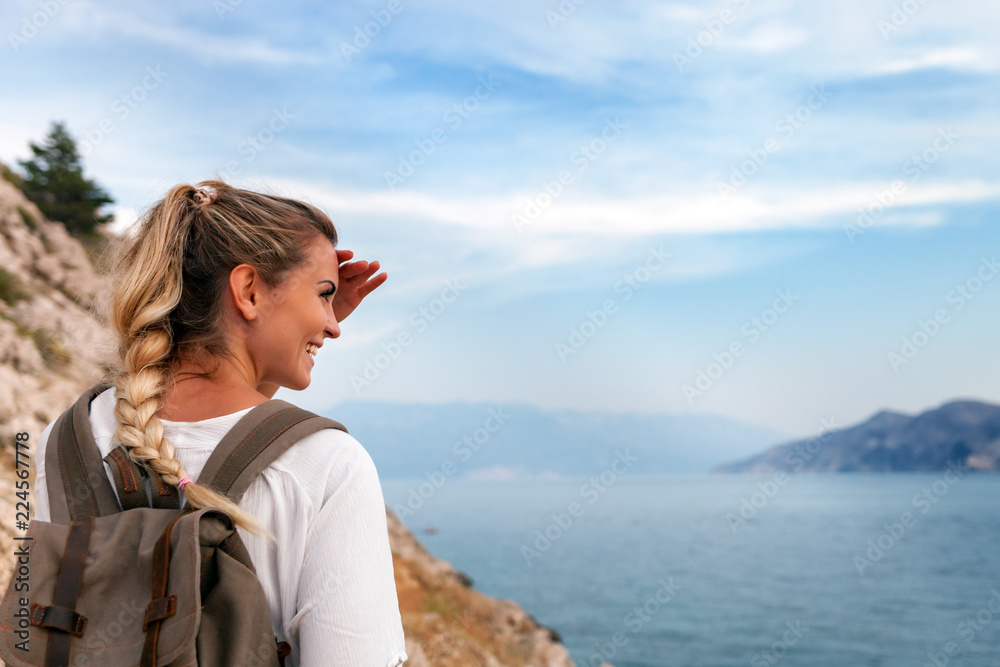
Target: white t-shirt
<point x="329" y="580"/>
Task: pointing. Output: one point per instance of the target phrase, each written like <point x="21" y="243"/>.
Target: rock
<point x="447" y="623"/>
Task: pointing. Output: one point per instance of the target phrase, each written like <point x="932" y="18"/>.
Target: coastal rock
<point x="449" y="624"/>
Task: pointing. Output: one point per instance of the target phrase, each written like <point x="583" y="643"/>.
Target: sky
<point x="774" y="211"/>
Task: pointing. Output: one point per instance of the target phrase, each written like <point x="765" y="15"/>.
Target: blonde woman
<point x="221" y="296"/>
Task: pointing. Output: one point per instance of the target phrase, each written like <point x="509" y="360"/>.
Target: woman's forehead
<point x="321" y="260"/>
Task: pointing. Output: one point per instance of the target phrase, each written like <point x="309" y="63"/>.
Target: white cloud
<point x="674" y="213"/>
<point x="95" y="20"/>
<point x="957" y="58"/>
<point x="601" y="44"/>
<point x="772" y="38"/>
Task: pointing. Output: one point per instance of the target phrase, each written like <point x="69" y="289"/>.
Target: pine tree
<point x="54" y="180"/>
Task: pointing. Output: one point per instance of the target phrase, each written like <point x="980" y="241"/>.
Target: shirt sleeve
<point x="348" y="612"/>
<point x="40" y="489"/>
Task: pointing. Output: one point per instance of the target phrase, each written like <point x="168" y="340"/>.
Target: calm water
<point x="782" y="589"/>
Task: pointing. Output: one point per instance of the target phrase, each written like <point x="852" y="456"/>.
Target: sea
<point x="834" y="569"/>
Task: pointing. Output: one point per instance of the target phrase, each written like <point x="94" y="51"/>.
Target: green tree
<point x="54" y="180"/>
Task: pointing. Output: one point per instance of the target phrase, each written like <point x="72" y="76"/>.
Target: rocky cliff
<point x="52" y="347"/>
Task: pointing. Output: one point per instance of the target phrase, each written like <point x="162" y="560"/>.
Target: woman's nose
<point x="332" y="327"/>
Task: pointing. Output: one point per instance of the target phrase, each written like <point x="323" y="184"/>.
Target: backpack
<point x="149" y="585"/>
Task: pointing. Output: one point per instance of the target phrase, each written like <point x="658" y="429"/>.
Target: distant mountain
<point x="410" y="440"/>
<point x="963" y="432"/>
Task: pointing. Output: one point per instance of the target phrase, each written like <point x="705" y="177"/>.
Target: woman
<point x="219" y="297"/>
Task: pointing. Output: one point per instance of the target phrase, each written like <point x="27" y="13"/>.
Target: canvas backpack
<point x="149" y="585"/>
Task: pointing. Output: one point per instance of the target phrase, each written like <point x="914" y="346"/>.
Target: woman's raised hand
<point x="356" y="282"/>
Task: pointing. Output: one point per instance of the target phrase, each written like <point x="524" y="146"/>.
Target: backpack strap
<point x="131" y="487"/>
<point x="256" y="441"/>
<point x="73" y="452"/>
<point x="129" y="479"/>
<point x="164" y="495"/>
<point x="61" y="615"/>
<point x="160" y="607"/>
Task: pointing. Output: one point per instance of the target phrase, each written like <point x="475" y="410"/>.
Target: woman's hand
<point x="356" y="282"/>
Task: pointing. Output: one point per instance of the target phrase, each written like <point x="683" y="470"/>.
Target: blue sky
<point x="544" y="155"/>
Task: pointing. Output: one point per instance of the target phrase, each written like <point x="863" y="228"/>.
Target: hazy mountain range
<point x="509" y="440"/>
<point x="485" y="440"/>
<point x="961" y="432"/>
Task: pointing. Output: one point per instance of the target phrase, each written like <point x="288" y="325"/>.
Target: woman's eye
<point x="326" y="294"/>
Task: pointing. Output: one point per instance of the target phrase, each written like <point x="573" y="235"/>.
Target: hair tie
<point x="183" y="481"/>
<point x="203" y="198"/>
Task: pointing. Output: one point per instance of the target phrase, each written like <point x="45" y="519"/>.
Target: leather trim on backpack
<point x="161" y="575"/>
<point x="159" y="609"/>
<point x="165" y="496"/>
<point x="58" y="618"/>
<point x="129" y="483"/>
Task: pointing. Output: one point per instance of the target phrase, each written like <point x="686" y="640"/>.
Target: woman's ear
<point x="245" y="284"/>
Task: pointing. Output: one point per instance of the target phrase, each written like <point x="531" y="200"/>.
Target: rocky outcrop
<point x="52" y="347"/>
<point x="50" y="342"/>
<point x="449" y="624"/>
<point x="959" y="433"/>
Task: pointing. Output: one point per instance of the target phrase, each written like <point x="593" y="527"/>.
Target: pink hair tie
<point x="183" y="481"/>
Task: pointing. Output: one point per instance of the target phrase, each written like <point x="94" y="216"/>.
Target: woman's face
<point x="295" y="316"/>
